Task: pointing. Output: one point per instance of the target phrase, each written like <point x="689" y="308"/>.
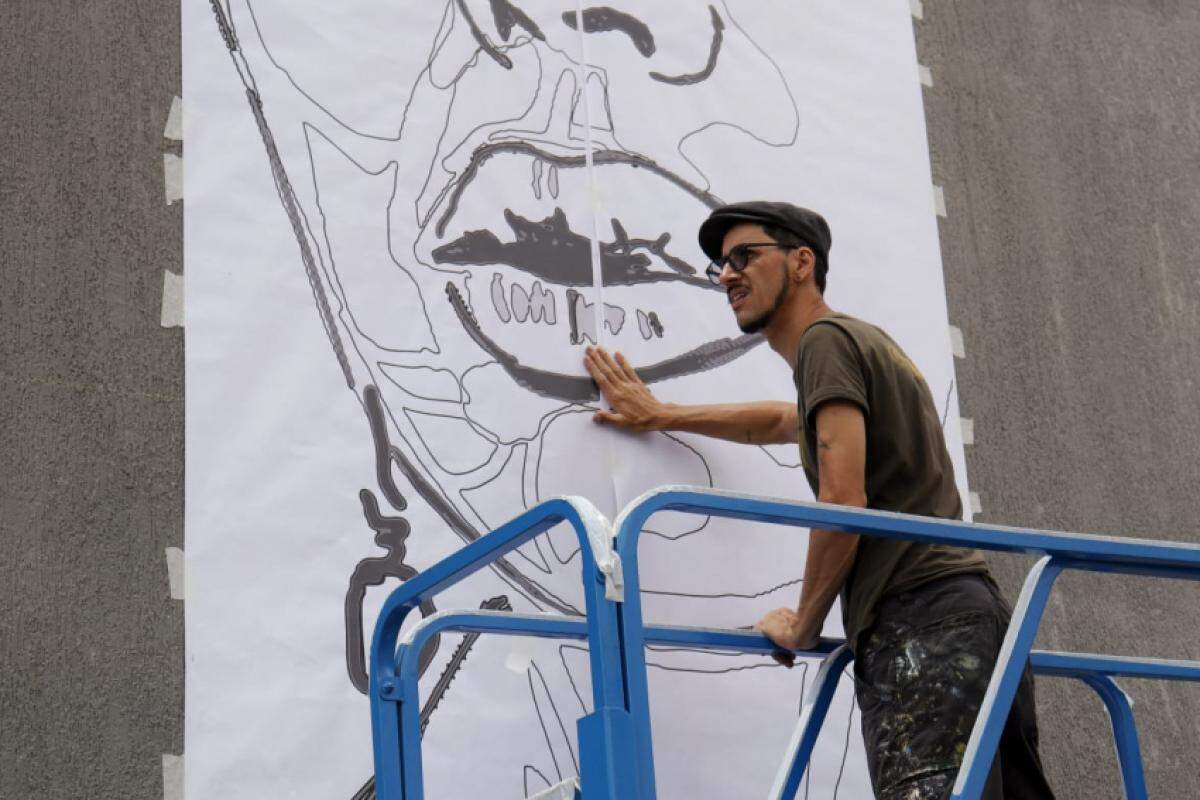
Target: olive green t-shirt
<point x="908" y="469"/>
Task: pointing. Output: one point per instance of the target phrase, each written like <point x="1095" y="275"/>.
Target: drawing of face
<point x="456" y="252"/>
<point x="446" y="229"/>
<point x="524" y="261"/>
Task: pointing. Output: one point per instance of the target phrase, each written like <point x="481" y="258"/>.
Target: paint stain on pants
<point x="921" y="674"/>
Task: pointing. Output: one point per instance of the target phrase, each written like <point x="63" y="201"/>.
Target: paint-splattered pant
<point x="921" y="673"/>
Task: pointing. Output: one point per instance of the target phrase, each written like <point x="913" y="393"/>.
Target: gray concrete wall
<point x="91" y="401"/>
<point x="1066" y="135"/>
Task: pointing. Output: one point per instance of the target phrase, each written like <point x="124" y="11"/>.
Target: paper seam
<point x="593" y="204"/>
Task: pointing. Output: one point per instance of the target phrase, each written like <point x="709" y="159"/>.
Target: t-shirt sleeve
<point x="830" y="369"/>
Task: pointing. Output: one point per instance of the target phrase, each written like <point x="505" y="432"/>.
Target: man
<point x="925" y="622"/>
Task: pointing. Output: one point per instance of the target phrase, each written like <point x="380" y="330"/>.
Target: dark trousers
<point x="921" y="673"/>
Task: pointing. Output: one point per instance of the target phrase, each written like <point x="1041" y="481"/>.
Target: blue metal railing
<point x="1060" y="551"/>
<point x="395" y="711"/>
<point x="616" y="753"/>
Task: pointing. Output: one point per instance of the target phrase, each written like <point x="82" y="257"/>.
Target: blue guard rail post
<point x="605" y="736"/>
<point x="1059" y="551"/>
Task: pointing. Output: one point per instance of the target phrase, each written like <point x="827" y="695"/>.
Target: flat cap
<point x="810" y="226"/>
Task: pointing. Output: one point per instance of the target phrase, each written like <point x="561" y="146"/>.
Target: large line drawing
<point x="450" y="266"/>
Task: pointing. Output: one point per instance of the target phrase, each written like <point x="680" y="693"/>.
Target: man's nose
<point x="728" y="274"/>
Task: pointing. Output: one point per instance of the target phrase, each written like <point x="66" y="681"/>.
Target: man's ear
<point x="805" y="263"/>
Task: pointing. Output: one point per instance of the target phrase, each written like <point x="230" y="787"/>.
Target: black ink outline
<point x="428" y="488"/>
<point x="714" y="49"/>
<point x="602" y="19"/>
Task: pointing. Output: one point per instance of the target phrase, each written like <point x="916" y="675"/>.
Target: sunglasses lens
<point x="739" y="257"/>
<point x="713" y="272"/>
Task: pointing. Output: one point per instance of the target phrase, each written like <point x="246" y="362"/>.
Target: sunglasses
<point x="739" y="257"/>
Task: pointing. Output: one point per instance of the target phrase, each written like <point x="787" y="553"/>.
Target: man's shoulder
<point x="862" y="332"/>
<point x="837" y="326"/>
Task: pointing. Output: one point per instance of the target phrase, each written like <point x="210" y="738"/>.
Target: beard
<point x="764" y="319"/>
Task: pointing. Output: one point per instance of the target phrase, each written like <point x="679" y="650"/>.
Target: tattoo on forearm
<point x="823" y="448"/>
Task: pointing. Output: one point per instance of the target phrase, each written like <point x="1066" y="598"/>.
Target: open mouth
<point x="737" y="296"/>
<point x="581" y="388"/>
<point x="517" y="224"/>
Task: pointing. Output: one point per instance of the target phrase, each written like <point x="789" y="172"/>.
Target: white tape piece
<point x="174" y="127"/>
<point x="175" y="572"/>
<point x="172" y="769"/>
<point x="976" y="503"/>
<point x="172" y="300"/>
<point x="926" y="75"/>
<point x="939" y="201"/>
<point x="521" y="656"/>
<point x="562" y="791"/>
<point x="917" y="8"/>
<point x="173" y="177"/>
<point x="600" y="536"/>
<point x="968" y="430"/>
<point x="957" y="345"/>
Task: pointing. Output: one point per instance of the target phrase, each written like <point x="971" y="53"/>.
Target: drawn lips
<point x="551" y="251"/>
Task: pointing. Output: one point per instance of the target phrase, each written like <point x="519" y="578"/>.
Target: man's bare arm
<point x="841" y="462"/>
<point x="635" y="408"/>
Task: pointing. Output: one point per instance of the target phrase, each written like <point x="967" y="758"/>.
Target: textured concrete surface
<point x="1066" y="136"/>
<point x="91" y="402"/>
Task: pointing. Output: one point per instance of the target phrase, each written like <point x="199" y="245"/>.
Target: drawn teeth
<point x="614" y="318"/>
<point x="498" y="301"/>
<point x="535" y="304"/>
<point x="537" y="178"/>
<point x="649" y="324"/>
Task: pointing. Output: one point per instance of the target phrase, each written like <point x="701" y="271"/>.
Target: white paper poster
<point x="403" y="223"/>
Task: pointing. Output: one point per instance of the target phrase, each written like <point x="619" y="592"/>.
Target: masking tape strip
<point x="917" y="8"/>
<point x="925" y="74"/>
<point x="957" y="345"/>
<point x="939" y="201"/>
<point x="172" y="300"/>
<point x="521" y="656"/>
<point x="175" y="572"/>
<point x="174" y="127"/>
<point x="173" y="177"/>
<point x="976" y="503"/>
<point x="172" y="772"/>
<point x="563" y="791"/>
<point x="968" y="430"/>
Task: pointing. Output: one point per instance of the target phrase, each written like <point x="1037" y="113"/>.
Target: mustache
<point x="550" y="250"/>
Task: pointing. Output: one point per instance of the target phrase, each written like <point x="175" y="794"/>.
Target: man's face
<point x="757" y="292"/>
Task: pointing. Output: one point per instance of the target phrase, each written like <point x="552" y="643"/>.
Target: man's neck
<point x="790" y="323"/>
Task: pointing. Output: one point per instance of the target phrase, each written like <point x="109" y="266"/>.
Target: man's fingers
<point x="599" y="375"/>
<point x="785" y="657"/>
<point x="600" y="364"/>
<point x="607" y="418"/>
<point x="628" y="369"/>
<point x="610" y="364"/>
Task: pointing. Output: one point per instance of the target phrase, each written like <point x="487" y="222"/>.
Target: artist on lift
<point x="925" y="622"/>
